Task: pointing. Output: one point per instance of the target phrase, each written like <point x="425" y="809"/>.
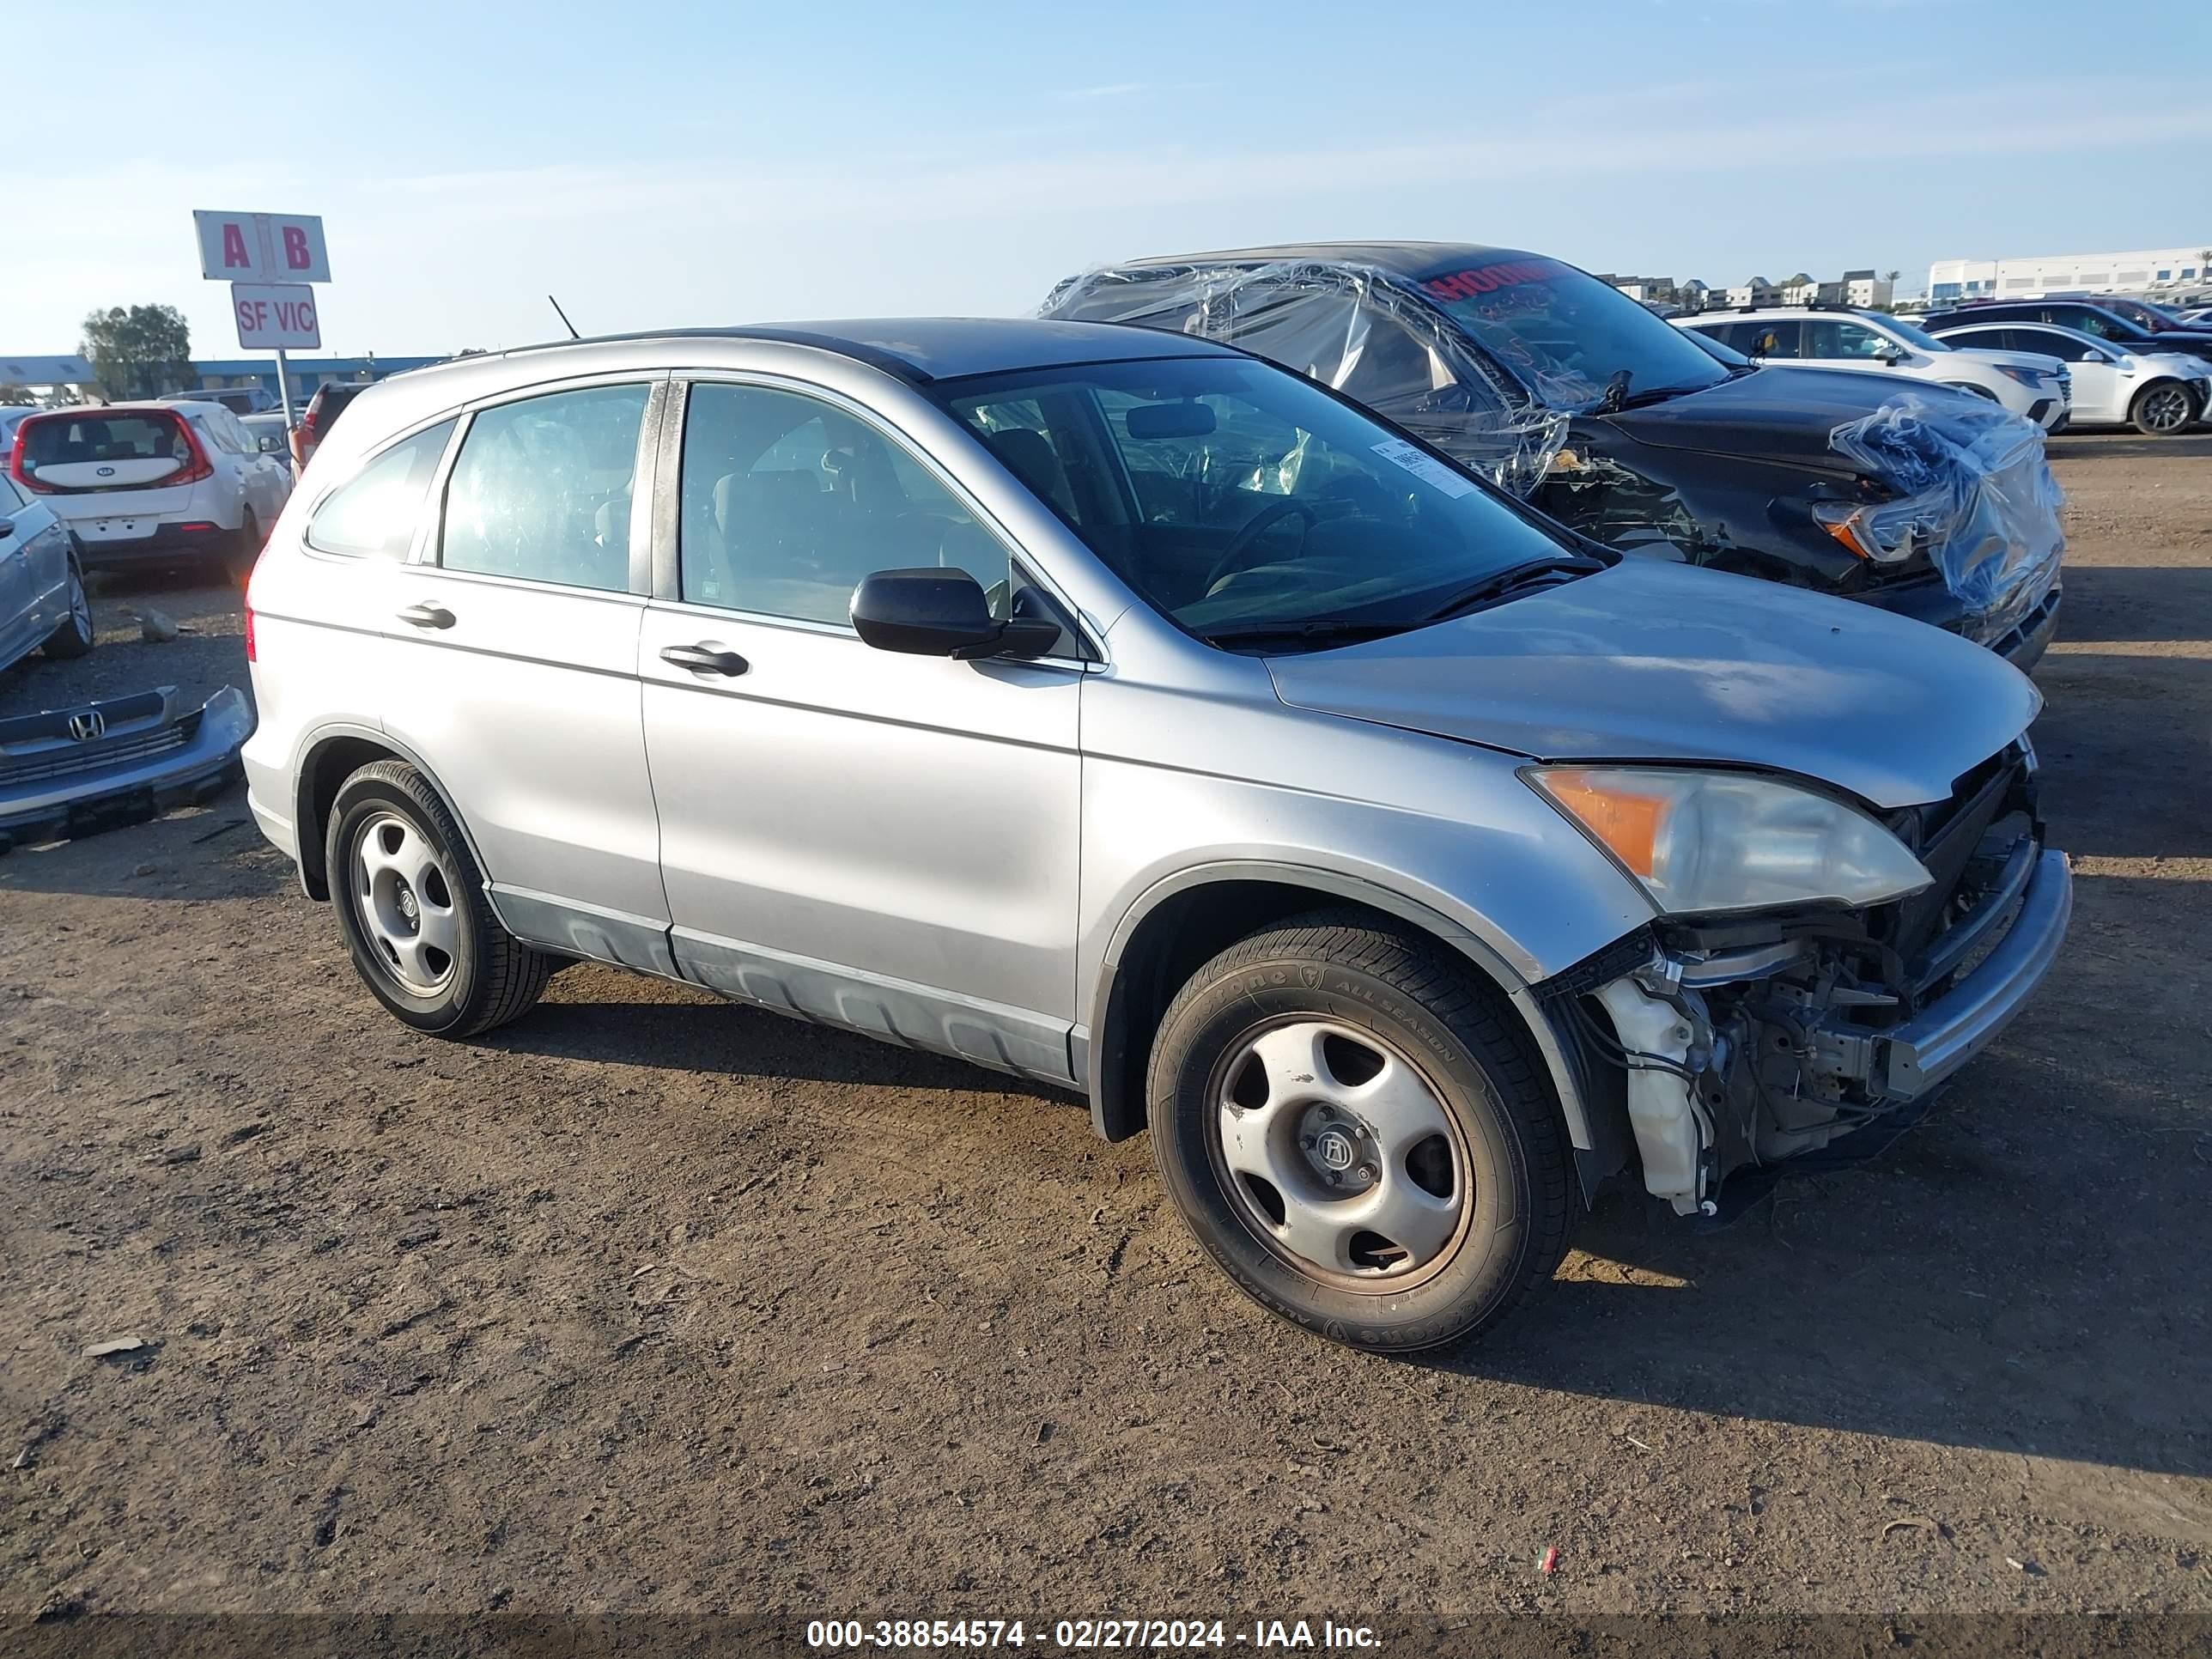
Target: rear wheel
<point x="236" y="562"/>
<point x="411" y="909"/>
<point x="1353" y="1126"/>
<point x="74" y="636"/>
<point x="2163" y="410"/>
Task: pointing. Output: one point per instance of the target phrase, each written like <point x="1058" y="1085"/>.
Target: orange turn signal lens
<point x="1626" y="821"/>
<point x="1846" y="530"/>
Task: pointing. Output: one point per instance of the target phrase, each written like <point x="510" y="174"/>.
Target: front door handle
<point x="427" y="615"/>
<point x="706" y="658"/>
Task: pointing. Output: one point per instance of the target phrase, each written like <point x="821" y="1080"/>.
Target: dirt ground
<point x="649" y="1302"/>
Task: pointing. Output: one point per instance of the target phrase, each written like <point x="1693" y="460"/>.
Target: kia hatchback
<point x="153" y="483"/>
<point x="1118" y="710"/>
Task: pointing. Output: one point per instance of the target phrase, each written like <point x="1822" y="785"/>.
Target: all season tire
<point x="2164" y="408"/>
<point x="411" y="909"/>
<point x="74" y="636"/>
<point x="1335" y="1071"/>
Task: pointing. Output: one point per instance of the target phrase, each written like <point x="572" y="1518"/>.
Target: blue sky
<point x="657" y="164"/>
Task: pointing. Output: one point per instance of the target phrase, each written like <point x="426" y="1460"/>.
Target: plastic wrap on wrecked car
<point x="1350" y="327"/>
<point x="1973" y="490"/>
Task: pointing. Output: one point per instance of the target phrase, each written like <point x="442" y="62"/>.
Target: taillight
<point x="307" y="427"/>
<point x="197" y="464"/>
<point x="249" y="626"/>
<point x="16" y="464"/>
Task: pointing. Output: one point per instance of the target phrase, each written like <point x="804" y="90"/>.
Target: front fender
<point x="1327" y="885"/>
<point x="1445" y="837"/>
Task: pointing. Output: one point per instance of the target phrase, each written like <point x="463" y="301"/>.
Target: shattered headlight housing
<point x="1699" y="842"/>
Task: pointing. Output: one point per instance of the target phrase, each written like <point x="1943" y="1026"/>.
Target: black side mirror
<point x="935" y="612"/>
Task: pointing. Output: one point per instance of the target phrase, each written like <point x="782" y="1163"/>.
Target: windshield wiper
<point x="1657" y="394"/>
<point x="1306" y="631"/>
<point x="1500" y="583"/>
<point x="1615" y="392"/>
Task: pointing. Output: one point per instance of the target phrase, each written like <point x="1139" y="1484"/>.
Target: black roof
<point x="1402" y="259"/>
<point x="920" y="350"/>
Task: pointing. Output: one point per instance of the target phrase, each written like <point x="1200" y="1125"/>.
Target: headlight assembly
<point x="1862" y="531"/>
<point x="1701" y="842"/>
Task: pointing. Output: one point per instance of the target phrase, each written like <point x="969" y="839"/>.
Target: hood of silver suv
<point x="1660" y="662"/>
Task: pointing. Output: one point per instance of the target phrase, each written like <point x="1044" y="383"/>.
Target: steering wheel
<point x="1232" y="558"/>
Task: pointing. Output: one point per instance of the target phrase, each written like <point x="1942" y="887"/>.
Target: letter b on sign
<point x="296" y="257"/>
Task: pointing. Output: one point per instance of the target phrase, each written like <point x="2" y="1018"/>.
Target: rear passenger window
<point x="789" y="501"/>
<point x="375" y="516"/>
<point x="1772" y="340"/>
<point x="543" y="489"/>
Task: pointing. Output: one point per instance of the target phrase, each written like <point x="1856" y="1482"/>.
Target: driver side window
<point x="788" y="502"/>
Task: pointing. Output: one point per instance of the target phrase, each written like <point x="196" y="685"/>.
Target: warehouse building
<point x="2143" y="271"/>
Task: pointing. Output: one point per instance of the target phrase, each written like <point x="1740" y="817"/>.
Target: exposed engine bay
<point x="1739" y="1044"/>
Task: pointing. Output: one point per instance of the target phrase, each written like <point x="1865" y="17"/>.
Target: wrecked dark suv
<point x="1568" y="393"/>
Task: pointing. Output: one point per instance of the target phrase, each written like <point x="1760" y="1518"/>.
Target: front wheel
<point x="411" y="909"/>
<point x="74" y="636"/>
<point x="1351" y="1124"/>
<point x="2164" y="409"/>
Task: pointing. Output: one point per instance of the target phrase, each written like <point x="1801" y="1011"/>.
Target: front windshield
<point x="1913" y="335"/>
<point x="1565" y="334"/>
<point x="1240" y="500"/>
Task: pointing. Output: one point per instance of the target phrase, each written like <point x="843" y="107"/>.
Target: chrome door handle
<point x="705" y="658"/>
<point x="427" y="615"/>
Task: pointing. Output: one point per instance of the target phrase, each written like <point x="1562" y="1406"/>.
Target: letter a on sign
<point x="234" y="256"/>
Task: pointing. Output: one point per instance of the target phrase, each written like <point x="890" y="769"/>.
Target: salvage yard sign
<point x="267" y="258"/>
<point x="276" y="316"/>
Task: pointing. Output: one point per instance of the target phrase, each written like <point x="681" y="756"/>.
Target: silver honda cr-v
<point x="1124" y="712"/>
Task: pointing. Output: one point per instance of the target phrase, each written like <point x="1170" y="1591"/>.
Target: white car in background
<point x="1826" y="337"/>
<point x="153" y="483"/>
<point x="2160" y="393"/>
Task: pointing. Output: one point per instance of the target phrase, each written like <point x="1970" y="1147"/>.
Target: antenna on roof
<point x="563" y="316"/>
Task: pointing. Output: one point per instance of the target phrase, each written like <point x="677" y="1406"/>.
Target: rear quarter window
<point x="376" y="514"/>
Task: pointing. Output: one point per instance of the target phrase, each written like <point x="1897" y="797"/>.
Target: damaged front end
<point x="71" y="772"/>
<point x="1722" y="1052"/>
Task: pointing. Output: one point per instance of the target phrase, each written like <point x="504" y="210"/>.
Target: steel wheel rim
<point x="1339" y="1155"/>
<point x="2167" y="408"/>
<point x="404" y="898"/>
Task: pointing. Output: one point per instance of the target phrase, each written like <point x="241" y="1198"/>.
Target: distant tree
<point x="139" y="353"/>
<point x="14" y="391"/>
<point x="1891" y="277"/>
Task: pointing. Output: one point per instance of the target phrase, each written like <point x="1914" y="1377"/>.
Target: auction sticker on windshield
<point x="1426" y="467"/>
